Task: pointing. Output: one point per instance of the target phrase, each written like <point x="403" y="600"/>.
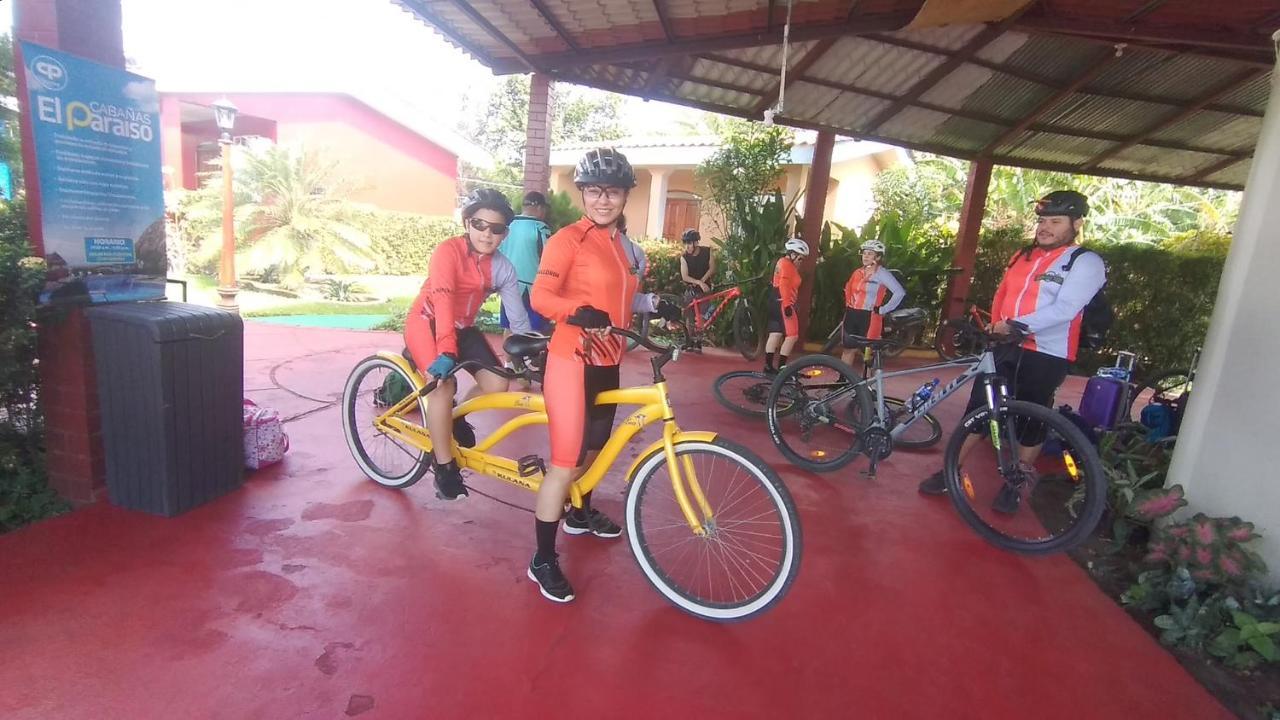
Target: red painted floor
<point x="312" y="592"/>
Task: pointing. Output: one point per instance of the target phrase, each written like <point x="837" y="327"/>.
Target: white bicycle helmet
<point x="797" y="246"/>
<point x="874" y="246"/>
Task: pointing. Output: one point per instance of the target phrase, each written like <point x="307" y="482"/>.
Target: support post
<point x="537" y="143"/>
<point x="815" y="201"/>
<point x="966" y="253"/>
<point x="658" y="185"/>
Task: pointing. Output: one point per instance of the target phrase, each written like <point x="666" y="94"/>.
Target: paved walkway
<point x="314" y="593"/>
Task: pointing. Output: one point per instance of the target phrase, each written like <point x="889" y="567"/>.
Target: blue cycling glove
<point x="444" y="362"/>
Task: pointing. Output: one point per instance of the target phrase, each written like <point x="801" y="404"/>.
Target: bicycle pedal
<point x="531" y="465"/>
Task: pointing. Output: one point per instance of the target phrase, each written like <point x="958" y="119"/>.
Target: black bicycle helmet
<point x="488" y="199"/>
<point x="1063" y="202"/>
<point x="604" y="166"/>
<point x="691" y="236"/>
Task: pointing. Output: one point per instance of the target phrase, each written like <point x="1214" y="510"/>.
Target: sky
<point x="334" y="45"/>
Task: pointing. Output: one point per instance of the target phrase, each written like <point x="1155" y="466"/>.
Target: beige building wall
<point x="849" y="201"/>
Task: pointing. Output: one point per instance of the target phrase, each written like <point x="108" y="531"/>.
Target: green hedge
<point x="24" y="493"/>
<point x="403" y="242"/>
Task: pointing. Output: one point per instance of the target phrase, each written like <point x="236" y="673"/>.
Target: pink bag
<point x="265" y="441"/>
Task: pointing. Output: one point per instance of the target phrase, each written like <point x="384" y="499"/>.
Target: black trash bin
<point x="170" y="387"/>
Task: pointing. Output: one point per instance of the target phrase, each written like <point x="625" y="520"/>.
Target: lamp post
<point x="224" y="114"/>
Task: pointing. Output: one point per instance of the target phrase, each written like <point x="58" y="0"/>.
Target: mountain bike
<point x="962" y="336"/>
<point x="832" y="415"/>
<point x="698" y="313"/>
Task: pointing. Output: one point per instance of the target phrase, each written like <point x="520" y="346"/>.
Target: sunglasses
<point x="494" y="228"/>
<point x="595" y="192"/>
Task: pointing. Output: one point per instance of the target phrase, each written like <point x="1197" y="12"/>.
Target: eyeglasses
<point x="494" y="228"/>
<point x="595" y="192"/>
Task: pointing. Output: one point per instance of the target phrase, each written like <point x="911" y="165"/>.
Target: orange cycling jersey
<point x="786" y="280"/>
<point x="458" y="281"/>
<point x="586" y="265"/>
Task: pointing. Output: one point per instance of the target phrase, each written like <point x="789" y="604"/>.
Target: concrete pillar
<point x="537" y="144"/>
<point x="74" y="459"/>
<point x="1224" y="456"/>
<point x="815" y="200"/>
<point x="966" y="253"/>
<point x="659" y="182"/>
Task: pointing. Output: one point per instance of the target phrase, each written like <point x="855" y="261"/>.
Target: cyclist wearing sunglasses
<point x="440" y="328"/>
<point x="588" y="280"/>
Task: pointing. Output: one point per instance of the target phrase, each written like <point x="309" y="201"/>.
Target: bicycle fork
<point x="1004" y="436"/>
<point x="684" y="483"/>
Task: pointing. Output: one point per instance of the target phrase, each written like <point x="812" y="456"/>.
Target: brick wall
<point x="537" y="148"/>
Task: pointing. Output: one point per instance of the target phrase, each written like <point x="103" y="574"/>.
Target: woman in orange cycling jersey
<point x="871" y="293"/>
<point x="784" y="324"/>
<point x="587" y="282"/>
<point x="440" y="331"/>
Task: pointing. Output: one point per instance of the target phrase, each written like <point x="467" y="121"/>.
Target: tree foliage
<point x="291" y="216"/>
<point x="743" y="172"/>
<point x="496" y="121"/>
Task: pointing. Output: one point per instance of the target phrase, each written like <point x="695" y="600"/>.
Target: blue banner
<point x="97" y="142"/>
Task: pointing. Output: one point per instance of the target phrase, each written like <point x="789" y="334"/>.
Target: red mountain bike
<point x="699" y="313"/>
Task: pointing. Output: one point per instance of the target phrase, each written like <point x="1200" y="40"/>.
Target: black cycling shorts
<point x="1032" y="376"/>
<point x="856" y="325"/>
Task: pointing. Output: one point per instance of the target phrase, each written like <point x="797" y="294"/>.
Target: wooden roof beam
<point x="476" y="17"/>
<point x="1053" y="83"/>
<point x="550" y="19"/>
<point x="1093" y="70"/>
<point x="954" y="60"/>
<point x="665" y="21"/>
<point x="797" y="71"/>
<point x="1196" y="37"/>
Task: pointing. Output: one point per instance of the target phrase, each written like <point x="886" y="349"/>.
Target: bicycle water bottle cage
<point x="531" y="465"/>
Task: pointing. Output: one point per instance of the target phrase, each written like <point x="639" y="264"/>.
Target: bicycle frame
<point x="722" y="297"/>
<point x="976" y="366"/>
<point x="655" y="406"/>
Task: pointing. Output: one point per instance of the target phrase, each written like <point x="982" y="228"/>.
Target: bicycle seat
<point x="907" y="315"/>
<point x="525" y="345"/>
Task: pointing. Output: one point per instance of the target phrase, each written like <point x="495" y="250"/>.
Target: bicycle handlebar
<point x="665" y="355"/>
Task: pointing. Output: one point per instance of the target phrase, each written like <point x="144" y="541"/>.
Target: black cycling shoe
<point x="463" y="433"/>
<point x="551" y="580"/>
<point x="593" y="521"/>
<point x="935" y="484"/>
<point x="448" y="481"/>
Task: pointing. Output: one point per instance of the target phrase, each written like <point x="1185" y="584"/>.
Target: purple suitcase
<point x="1101" y="401"/>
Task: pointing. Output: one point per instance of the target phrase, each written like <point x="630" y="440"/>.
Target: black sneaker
<point x="464" y="433"/>
<point x="592" y="521"/>
<point x="1007" y="500"/>
<point x="448" y="481"/>
<point x="551" y="581"/>
<point x="935" y="484"/>
<point x="1010" y="496"/>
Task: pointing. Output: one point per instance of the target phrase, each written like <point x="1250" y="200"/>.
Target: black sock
<point x="782" y="361"/>
<point x="586" y="505"/>
<point x="546" y="534"/>
<point x="768" y="361"/>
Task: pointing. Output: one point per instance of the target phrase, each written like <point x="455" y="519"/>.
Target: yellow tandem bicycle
<point x="710" y="524"/>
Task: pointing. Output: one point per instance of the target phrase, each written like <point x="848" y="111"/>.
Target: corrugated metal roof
<point x="1165" y="162"/>
<point x="1214" y="130"/>
<point x="1106" y="114"/>
<point x="980" y="100"/>
<point x="1235" y="175"/>
<point x="875" y="66"/>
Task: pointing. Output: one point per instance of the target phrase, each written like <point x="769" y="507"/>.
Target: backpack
<point x="1098" y="317"/>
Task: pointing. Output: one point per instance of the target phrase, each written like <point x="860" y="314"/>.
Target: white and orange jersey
<point x="1037" y="290"/>
<point x="868" y="291"/>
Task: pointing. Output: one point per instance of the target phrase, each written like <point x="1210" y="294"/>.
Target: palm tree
<point x="290" y="212"/>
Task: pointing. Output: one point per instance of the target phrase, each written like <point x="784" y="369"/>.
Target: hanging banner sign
<point x="97" y="143"/>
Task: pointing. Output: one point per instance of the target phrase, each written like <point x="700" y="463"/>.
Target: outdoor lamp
<point x="224" y="114"/>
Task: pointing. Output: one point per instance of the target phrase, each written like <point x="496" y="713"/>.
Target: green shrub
<point x="402" y="243"/>
<point x="24" y="492"/>
<point x="663" y="273"/>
